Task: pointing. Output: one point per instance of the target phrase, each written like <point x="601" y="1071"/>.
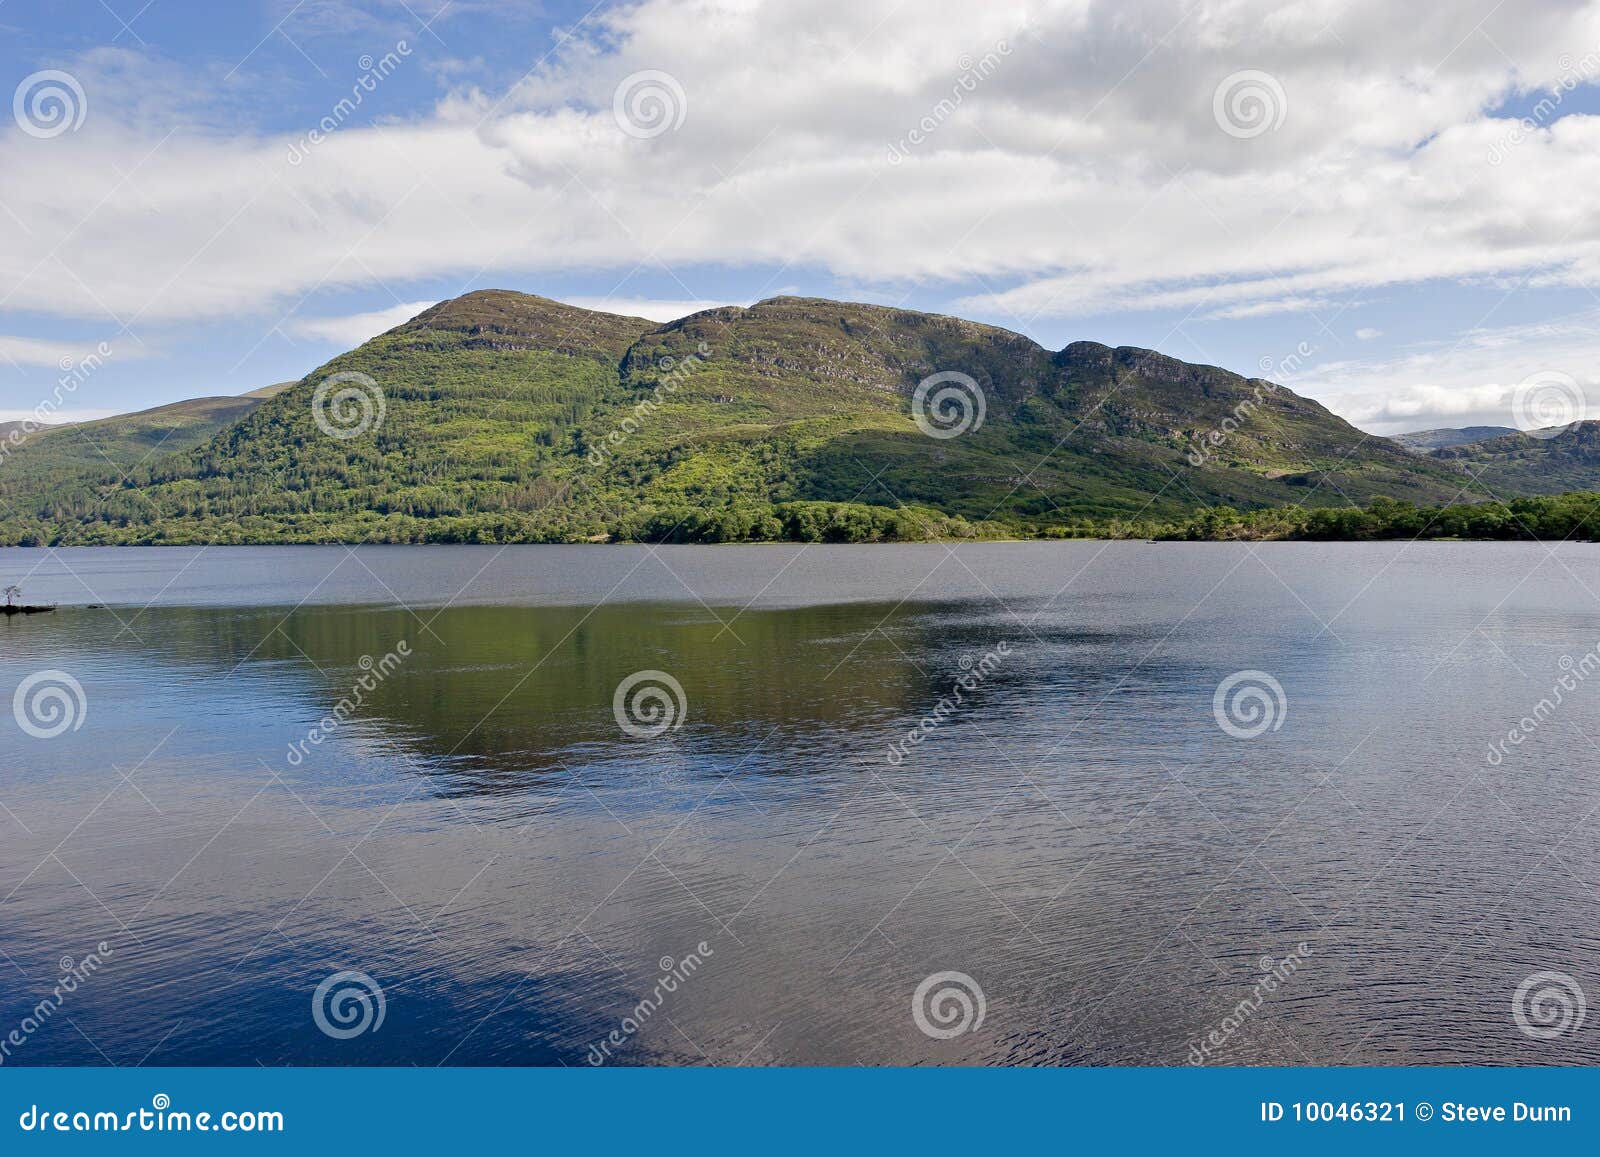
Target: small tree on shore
<point x="13" y="593"/>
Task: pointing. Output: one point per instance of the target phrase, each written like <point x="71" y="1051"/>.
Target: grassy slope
<point x="511" y="417"/>
<point x="45" y="458"/>
<point x="820" y="409"/>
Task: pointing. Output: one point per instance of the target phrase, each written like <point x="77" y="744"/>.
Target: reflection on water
<point x="260" y="796"/>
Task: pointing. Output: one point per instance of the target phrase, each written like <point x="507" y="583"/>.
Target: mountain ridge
<point x="499" y="416"/>
<point x="1543" y="462"/>
<point x="1423" y="441"/>
<point x="121" y="440"/>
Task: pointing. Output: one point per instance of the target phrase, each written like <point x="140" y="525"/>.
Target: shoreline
<point x="1572" y="516"/>
<point x="345" y="545"/>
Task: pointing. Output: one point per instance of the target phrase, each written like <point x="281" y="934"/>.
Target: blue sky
<point x="1404" y="237"/>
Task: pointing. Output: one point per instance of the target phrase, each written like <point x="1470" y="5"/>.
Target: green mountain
<point x="1423" y="441"/>
<point x="1552" y="462"/>
<point x="505" y="417"/>
<point x="47" y="455"/>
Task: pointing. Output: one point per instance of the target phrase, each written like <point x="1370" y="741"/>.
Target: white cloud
<point x="58" y="355"/>
<point x="59" y="418"/>
<point x="1468" y="382"/>
<point x="353" y="329"/>
<point x="1069" y="158"/>
<point x="1367" y="333"/>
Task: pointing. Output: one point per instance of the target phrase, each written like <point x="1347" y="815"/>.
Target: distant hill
<point x="1422" y="441"/>
<point x="1524" y="464"/>
<point x="50" y="455"/>
<point x="509" y="417"/>
<point x="267" y="391"/>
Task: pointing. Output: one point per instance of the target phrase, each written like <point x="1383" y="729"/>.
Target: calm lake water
<point x="1079" y="836"/>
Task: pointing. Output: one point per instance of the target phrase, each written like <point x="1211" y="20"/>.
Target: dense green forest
<point x="1546" y="519"/>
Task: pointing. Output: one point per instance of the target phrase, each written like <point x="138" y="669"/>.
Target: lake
<point x="386" y="805"/>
